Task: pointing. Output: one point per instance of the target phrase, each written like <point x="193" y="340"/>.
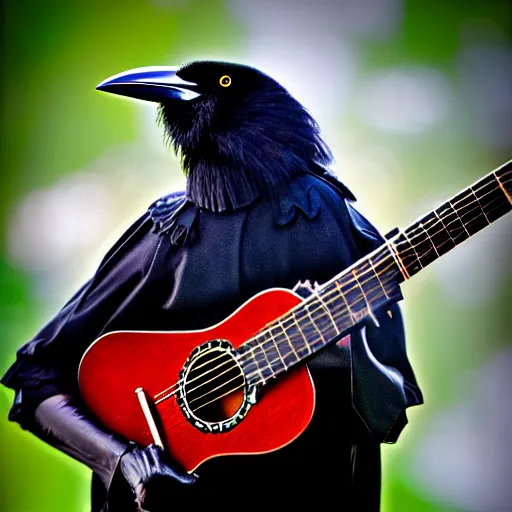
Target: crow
<point x="261" y="209"/>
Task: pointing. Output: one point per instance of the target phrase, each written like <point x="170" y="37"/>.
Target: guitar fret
<point x="305" y="341"/>
<point x="395" y="253"/>
<point x="287" y="338"/>
<point x="251" y="355"/>
<point x="404" y="234"/>
<point x="454" y="243"/>
<point x="494" y="203"/>
<point x="423" y="246"/>
<point x="480" y="205"/>
<point x="325" y="326"/>
<point x="454" y="227"/>
<point x="309" y="330"/>
<point x="352" y="295"/>
<point x="504" y="178"/>
<point x="347" y="306"/>
<point x="276" y="348"/>
<point x="355" y="293"/>
<point x="370" y="284"/>
<point x="326" y="309"/>
<point x="378" y="277"/>
<point x="249" y="364"/>
<point x="313" y="323"/>
<point x="289" y="357"/>
<point x="295" y="337"/>
<point x="476" y="219"/>
<point x="315" y="340"/>
<point x="434" y="230"/>
<point x="365" y="298"/>
<point x="459" y="218"/>
<point x="339" y="310"/>
<point x="266" y="371"/>
<point x="258" y="371"/>
<point x="498" y="208"/>
<point x="407" y="255"/>
<point x="251" y="372"/>
<point x="430" y="239"/>
<point x="439" y="233"/>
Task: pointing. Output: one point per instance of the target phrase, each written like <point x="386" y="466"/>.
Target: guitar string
<point x="287" y="341"/>
<point x="214" y="389"/>
<point x="234" y="366"/>
<point x="209" y="361"/>
<point x="470" y="192"/>
<point x="422" y="254"/>
<point x="236" y="388"/>
<point x="242" y="385"/>
<point x="168" y="395"/>
<point x="283" y="321"/>
<point x="428" y="224"/>
<point x="270" y="362"/>
<point x="258" y="369"/>
<point x="429" y="236"/>
<point x="377" y="274"/>
<point x="224" y="394"/>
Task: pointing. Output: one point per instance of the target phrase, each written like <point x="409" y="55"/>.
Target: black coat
<point x="183" y="267"/>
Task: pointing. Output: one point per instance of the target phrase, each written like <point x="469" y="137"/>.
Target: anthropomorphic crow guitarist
<point x="260" y="210"/>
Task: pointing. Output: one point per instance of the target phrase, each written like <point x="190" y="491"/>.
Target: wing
<point x="47" y="365"/>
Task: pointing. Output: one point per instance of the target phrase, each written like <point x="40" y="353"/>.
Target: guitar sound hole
<point x="214" y="386"/>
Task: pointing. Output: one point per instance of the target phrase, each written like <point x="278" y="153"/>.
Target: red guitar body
<point x="118" y="363"/>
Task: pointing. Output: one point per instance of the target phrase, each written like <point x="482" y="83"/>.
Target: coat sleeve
<point x="383" y="382"/>
<point x="48" y="364"/>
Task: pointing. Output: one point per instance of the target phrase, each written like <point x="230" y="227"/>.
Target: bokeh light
<point x="415" y="99"/>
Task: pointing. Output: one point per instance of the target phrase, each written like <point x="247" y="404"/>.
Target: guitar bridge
<point x="143" y="401"/>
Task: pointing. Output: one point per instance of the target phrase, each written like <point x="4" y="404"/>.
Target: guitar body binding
<point x="249" y="420"/>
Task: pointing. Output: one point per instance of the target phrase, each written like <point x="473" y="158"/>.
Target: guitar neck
<point x="456" y="220"/>
<point x="372" y="282"/>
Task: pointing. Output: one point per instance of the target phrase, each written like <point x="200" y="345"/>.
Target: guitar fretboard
<point x="359" y="291"/>
<point x="455" y="220"/>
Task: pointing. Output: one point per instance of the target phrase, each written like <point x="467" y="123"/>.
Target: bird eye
<point x="225" y="81"/>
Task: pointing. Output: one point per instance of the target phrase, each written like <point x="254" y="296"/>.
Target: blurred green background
<point x="415" y="99"/>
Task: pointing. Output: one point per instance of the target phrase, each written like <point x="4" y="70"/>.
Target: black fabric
<point x="243" y="142"/>
<point x="183" y="267"/>
<point x="152" y="476"/>
<point x="62" y="422"/>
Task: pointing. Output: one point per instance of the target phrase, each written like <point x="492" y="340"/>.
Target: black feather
<point x="248" y="140"/>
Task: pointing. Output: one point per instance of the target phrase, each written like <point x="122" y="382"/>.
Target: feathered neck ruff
<point x="233" y="154"/>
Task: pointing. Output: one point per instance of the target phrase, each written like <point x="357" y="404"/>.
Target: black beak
<point x="158" y="84"/>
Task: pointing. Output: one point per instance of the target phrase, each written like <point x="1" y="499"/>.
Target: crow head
<point x="239" y="133"/>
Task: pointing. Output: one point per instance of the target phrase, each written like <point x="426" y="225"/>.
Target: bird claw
<point x="306" y="288"/>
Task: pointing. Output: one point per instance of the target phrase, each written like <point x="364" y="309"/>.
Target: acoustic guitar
<point x="241" y="386"/>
